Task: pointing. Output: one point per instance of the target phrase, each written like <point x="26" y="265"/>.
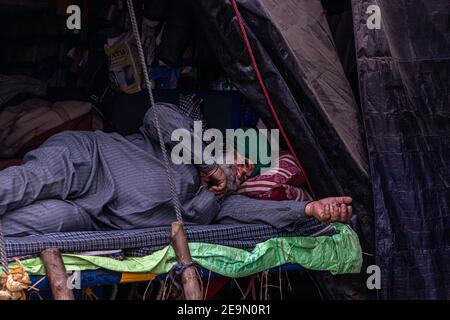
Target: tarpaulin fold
<point x="404" y="72"/>
<point x="298" y="61"/>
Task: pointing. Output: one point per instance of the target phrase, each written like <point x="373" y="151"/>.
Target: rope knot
<point x="13" y="284"/>
<point x="175" y="273"/>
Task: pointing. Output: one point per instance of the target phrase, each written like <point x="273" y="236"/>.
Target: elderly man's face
<point x="238" y="172"/>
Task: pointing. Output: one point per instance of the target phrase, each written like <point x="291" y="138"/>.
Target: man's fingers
<point x="220" y="195"/>
<point x="349" y="212"/>
<point x="218" y="192"/>
<point x="335" y="212"/>
<point x="220" y="189"/>
<point x="219" y="185"/>
<point x="346" y="200"/>
<point x="217" y="189"/>
<point x="343" y="212"/>
<point x="326" y="213"/>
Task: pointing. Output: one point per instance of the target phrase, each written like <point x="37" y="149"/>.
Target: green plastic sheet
<point x="340" y="253"/>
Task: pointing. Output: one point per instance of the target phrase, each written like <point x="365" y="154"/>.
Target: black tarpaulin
<point x="298" y="61"/>
<point x="404" y="72"/>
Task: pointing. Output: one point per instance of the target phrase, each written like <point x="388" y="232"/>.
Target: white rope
<point x="173" y="190"/>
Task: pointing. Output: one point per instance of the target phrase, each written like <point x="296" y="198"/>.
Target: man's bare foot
<point x="330" y="209"/>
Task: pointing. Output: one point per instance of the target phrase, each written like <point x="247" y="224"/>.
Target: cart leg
<point x="189" y="278"/>
<point x="56" y="273"/>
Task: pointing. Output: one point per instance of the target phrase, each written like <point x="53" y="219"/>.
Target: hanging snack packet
<point x="124" y="69"/>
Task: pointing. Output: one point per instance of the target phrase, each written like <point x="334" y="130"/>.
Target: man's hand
<point x="216" y="181"/>
<point x="330" y="209"/>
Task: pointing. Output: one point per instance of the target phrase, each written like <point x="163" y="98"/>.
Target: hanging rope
<point x="173" y="190"/>
<point x="3" y="257"/>
<point x="14" y="283"/>
<point x="266" y="93"/>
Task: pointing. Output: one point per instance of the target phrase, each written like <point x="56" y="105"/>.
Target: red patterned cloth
<point x="282" y="182"/>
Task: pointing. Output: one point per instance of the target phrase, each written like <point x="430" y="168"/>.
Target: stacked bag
<point x="26" y="126"/>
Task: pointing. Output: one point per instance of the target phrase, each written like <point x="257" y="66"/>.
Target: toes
<point x="343" y="212"/>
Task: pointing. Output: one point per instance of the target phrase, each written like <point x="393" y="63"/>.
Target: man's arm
<point x="279" y="214"/>
<point x="283" y="214"/>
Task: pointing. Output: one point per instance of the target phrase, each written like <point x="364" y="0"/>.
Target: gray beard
<point x="232" y="183"/>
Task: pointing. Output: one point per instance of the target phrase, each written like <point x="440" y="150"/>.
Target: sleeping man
<point x="101" y="181"/>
